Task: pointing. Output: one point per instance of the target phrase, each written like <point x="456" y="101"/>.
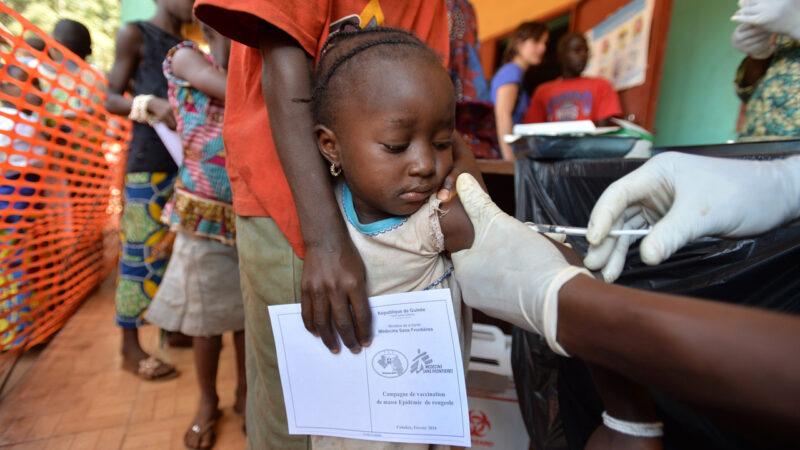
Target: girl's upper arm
<point x="456" y="226"/>
<point x="506" y="98"/>
<point x="126" y="58"/>
<point x="190" y="65"/>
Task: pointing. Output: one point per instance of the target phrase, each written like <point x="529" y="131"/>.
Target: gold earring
<point x="335" y="170"/>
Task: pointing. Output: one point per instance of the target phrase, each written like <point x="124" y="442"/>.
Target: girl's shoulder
<point x="509" y="70"/>
<point x="434" y="228"/>
<point x="129" y="38"/>
<point x="509" y="73"/>
<point x="177" y="56"/>
<point x="456" y="227"/>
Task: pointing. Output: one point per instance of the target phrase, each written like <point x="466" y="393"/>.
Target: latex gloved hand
<point x="753" y="41"/>
<point x="511" y="272"/>
<point x="685" y="197"/>
<point x="776" y="16"/>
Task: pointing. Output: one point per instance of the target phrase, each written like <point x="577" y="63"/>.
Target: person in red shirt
<point x="573" y="97"/>
<point x="292" y="241"/>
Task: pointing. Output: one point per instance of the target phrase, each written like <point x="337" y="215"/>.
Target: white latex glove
<point x="685" y="197"/>
<point x="511" y="272"/>
<point x="753" y="41"/>
<point x="776" y="16"/>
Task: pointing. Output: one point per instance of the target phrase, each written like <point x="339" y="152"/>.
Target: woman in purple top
<point x="526" y="49"/>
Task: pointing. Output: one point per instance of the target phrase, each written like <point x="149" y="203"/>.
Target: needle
<point x="578" y="231"/>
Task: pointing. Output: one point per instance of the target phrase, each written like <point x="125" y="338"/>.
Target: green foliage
<point x="101" y="17"/>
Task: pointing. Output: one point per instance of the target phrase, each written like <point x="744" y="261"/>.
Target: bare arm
<point x="463" y="162"/>
<point x="735" y="362"/>
<point x="721" y="357"/>
<point x="189" y="65"/>
<point x="333" y="280"/>
<point x="625" y="400"/>
<point x="503" y="112"/>
<point x="456" y="226"/>
<point x="621" y="397"/>
<point x="126" y="59"/>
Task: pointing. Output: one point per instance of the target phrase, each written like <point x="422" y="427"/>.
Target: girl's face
<point x="532" y="50"/>
<point x="393" y="135"/>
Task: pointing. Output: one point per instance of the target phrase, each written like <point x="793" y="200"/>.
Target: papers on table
<point x="407" y="386"/>
<point x="172" y="141"/>
<point x="568" y="127"/>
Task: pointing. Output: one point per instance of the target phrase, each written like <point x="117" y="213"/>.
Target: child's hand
<point x="604" y="438"/>
<point x="162" y="112"/>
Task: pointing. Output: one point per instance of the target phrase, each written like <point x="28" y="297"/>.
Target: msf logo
<point x="420" y="362"/>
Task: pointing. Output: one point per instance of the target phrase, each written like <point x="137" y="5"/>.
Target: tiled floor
<point x="75" y="396"/>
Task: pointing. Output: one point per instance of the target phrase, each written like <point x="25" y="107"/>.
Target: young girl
<point x="385" y="112"/>
<point x="150" y="172"/>
<point x="525" y="50"/>
<point x="200" y="294"/>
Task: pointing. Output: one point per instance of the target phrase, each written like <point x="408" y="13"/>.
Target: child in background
<point x="200" y="294"/>
<point x="150" y="172"/>
<point x="75" y="36"/>
<point x="385" y="113"/>
<point x="574" y="97"/>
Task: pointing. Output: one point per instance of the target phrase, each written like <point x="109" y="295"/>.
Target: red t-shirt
<point x="259" y="185"/>
<point x="581" y="98"/>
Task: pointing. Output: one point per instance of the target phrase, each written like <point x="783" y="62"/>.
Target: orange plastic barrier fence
<point x="61" y="158"/>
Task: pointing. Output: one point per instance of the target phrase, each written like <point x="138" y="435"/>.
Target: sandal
<point x="202" y="436"/>
<point x="152" y="369"/>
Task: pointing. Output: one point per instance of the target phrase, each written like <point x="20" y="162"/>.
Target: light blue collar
<point x="370" y="229"/>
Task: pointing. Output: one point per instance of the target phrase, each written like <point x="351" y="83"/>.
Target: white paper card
<point x="172" y="141"/>
<point x="407" y="386"/>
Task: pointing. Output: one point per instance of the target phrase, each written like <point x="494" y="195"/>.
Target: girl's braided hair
<point x="394" y="42"/>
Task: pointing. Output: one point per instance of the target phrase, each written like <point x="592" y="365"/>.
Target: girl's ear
<point x="327" y="144"/>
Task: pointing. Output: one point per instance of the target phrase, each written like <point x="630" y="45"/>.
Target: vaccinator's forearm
<point x="730" y="359"/>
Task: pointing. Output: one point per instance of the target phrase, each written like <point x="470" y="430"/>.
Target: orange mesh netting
<point x="60" y="176"/>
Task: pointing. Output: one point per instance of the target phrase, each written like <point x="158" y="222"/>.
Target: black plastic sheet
<point x="761" y="271"/>
<point x="568" y="147"/>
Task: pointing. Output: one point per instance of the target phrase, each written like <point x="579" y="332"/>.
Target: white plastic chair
<point x="491" y="350"/>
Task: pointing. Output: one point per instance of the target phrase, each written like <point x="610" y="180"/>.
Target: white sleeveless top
<point x="404" y="254"/>
<point x="401" y="254"/>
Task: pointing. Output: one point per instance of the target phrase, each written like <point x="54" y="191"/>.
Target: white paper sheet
<point x="555" y="128"/>
<point x="172" y="141"/>
<point x="407" y="386"/>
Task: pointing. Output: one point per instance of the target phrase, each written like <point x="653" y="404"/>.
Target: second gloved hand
<point x="776" y="16"/>
<point x="685" y="197"/>
<point x="511" y="272"/>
